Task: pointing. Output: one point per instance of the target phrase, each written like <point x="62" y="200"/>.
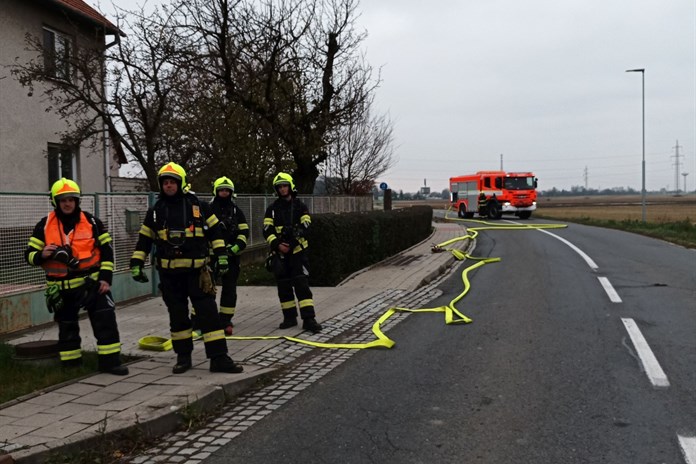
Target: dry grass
<point x="656" y="214"/>
<point x="658" y="209"/>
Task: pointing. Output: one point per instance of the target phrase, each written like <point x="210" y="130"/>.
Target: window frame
<point x="58" y="62"/>
<point x="57" y="166"/>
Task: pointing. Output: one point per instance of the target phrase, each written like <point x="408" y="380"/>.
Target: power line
<point x="676" y="167"/>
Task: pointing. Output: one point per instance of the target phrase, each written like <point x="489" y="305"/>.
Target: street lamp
<point x="642" y="191"/>
<point x="685" y="174"/>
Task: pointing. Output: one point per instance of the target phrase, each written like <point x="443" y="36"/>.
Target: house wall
<point x="26" y="127"/>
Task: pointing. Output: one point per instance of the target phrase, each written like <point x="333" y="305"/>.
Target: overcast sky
<point x="540" y="82"/>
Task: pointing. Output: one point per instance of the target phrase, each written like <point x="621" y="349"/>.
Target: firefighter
<point x="74" y="249"/>
<point x="181" y="232"/>
<point x="285" y="226"/>
<point x="482" y="205"/>
<point x="236" y="235"/>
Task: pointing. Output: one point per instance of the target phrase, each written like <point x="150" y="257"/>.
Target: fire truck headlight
<point x="534" y="203"/>
<point x="507" y="203"/>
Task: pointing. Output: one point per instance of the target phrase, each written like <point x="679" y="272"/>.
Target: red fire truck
<point x="494" y="193"/>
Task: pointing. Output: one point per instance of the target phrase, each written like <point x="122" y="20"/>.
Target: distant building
<point x="31" y="154"/>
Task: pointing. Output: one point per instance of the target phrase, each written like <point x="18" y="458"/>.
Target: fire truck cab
<point x="494" y="193"/>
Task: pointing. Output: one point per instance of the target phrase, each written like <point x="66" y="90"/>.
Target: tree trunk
<point x="305" y="175"/>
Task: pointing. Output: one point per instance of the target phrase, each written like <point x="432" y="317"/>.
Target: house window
<point x="61" y="163"/>
<point x="58" y="50"/>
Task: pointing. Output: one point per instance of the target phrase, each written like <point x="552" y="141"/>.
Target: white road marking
<point x="652" y="368"/>
<point x="688" y="447"/>
<point x="613" y="296"/>
<point x="582" y="254"/>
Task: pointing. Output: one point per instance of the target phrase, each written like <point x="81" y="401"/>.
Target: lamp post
<point x="685" y="190"/>
<point x="642" y="191"/>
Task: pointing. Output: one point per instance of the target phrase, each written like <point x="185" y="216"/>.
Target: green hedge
<point x="341" y="244"/>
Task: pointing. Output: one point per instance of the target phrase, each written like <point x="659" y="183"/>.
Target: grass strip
<point x="19" y="377"/>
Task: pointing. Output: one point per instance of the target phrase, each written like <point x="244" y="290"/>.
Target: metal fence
<point x="122" y="214"/>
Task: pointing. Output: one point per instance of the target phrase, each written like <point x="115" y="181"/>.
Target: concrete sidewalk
<point x="151" y="398"/>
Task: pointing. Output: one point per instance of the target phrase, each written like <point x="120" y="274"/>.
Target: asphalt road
<point x="548" y="372"/>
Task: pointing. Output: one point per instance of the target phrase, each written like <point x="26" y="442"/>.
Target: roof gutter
<point x="109" y="28"/>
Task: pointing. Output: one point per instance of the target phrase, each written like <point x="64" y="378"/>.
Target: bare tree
<point x="124" y="90"/>
<point x="360" y="152"/>
<point x="292" y="64"/>
<point x="242" y="87"/>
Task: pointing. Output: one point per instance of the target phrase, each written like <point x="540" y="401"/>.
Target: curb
<point x="470" y="246"/>
<point x="164" y="421"/>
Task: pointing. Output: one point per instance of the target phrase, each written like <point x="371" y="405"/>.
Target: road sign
<point x="383" y="186"/>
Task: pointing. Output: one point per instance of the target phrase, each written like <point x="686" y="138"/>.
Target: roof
<point x="87" y="12"/>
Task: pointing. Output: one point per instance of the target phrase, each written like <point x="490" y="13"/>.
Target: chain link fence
<point x="122" y="214"/>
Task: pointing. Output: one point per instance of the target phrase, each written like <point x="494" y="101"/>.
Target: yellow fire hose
<point x="452" y="314"/>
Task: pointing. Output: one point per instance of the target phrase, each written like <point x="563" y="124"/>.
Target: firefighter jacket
<point x="287" y="221"/>
<point x="181" y="232"/>
<point x="86" y="238"/>
<point x="233" y="221"/>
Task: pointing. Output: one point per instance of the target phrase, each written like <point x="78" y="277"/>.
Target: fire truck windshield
<point x="519" y="183"/>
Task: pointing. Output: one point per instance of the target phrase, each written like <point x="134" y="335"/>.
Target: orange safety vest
<point x="80" y="240"/>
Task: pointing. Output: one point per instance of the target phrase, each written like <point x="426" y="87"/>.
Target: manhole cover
<point x="41" y="349"/>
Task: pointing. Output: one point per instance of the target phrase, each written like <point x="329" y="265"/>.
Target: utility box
<point x="132" y="220"/>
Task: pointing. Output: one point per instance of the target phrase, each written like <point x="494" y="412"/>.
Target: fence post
<point x="387" y="200"/>
<point x="96" y="205"/>
<point x="151" y="200"/>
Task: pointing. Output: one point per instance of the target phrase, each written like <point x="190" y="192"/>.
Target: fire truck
<point x="494" y="193"/>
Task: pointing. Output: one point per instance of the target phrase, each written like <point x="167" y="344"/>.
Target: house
<point x="31" y="154"/>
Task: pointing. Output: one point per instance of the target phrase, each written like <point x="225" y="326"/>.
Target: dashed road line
<point x="688" y="448"/>
<point x="606" y="285"/>
<point x="652" y="368"/>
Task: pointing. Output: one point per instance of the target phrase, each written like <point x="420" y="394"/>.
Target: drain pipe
<point x="105" y="132"/>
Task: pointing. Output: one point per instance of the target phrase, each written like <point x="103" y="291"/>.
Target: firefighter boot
<point x="224" y="363"/>
<point x="183" y="363"/>
<point x="311" y="324"/>
<point x="111" y="364"/>
<point x="116" y="370"/>
<point x="289" y="318"/>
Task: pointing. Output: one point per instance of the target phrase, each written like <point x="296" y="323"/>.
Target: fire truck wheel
<point x="462" y="211"/>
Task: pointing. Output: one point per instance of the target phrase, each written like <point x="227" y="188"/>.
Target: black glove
<point x="222" y="265"/>
<point x="138" y="274"/>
